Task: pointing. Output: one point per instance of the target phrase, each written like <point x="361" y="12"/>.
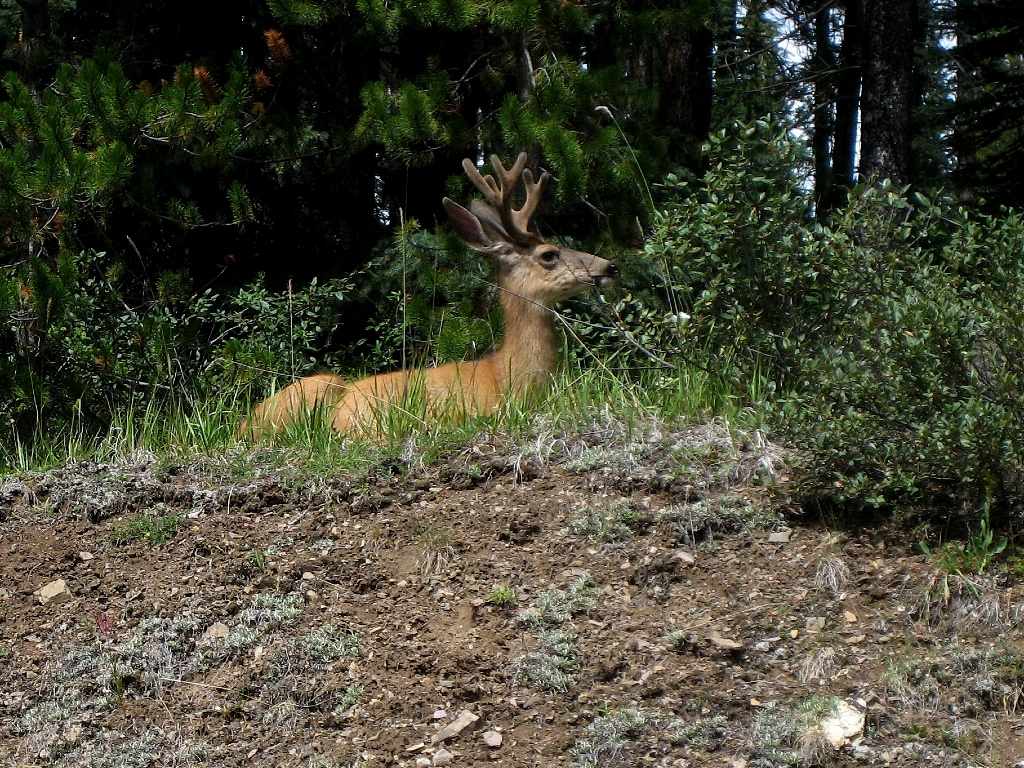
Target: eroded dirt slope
<point x="607" y="600"/>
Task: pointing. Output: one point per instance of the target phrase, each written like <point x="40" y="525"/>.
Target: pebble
<point x="492" y="739"/>
<point x="57" y="589"/>
<point x="455" y="727"/>
<point x="442" y="757"/>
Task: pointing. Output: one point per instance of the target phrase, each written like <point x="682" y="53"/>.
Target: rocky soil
<point x="609" y="599"/>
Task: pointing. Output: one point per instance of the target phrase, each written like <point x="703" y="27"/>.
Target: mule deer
<point x="533" y="275"/>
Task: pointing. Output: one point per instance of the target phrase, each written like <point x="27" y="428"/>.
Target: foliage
<point x="429" y="291"/>
<point x="153" y="529"/>
<point x="94" y="148"/>
<point x="915" y="398"/>
<point x="990" y="78"/>
<point x="84" y="338"/>
<point x="891" y="331"/>
<point x="973" y="557"/>
<point x="742" y="267"/>
<point x="129" y="128"/>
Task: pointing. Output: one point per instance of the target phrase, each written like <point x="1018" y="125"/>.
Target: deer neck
<point x="528" y="355"/>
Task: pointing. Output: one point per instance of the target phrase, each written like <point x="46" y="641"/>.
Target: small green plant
<point x="678" y="639"/>
<point x="790" y="734"/>
<point x="972" y="558"/>
<point x="549" y="667"/>
<point x="610" y="739"/>
<point x="154" y="530"/>
<point x="328" y="644"/>
<point x="239" y="639"/>
<point x="327" y="762"/>
<point x="257" y="558"/>
<point x="283" y="714"/>
<point x="910" y="681"/>
<point x="118" y="673"/>
<point x="271" y="609"/>
<point x="280" y="546"/>
<point x="555" y="607"/>
<point x="501" y="597"/>
<point x="348" y="698"/>
<point x="608" y="522"/>
<point x="696" y="734"/>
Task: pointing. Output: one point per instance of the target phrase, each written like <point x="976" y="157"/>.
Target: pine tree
<point x="988" y="136"/>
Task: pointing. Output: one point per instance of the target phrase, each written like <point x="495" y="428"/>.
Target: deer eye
<point x="548" y="258"/>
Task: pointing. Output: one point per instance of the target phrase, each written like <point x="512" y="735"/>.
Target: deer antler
<point x="498" y="194"/>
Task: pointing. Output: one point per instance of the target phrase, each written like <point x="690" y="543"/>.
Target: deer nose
<point x="609" y="275"/>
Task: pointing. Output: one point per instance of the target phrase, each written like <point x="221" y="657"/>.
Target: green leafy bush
<point x="917" y="397"/>
<point x="891" y="332"/>
<point x="81" y="338"/>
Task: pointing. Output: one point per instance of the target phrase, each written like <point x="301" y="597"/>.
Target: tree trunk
<point x="886" y="99"/>
<point x="964" y="141"/>
<point x="844" y="151"/>
<point x="823" y="71"/>
<point x="685" y="94"/>
<point x="35" y="21"/>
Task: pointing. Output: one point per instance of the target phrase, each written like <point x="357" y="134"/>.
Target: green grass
<point x="172" y="429"/>
<point x="502" y="597"/>
<point x="153" y="529"/>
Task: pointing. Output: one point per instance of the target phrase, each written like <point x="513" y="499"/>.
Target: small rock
<point x="685" y="557"/>
<point x="847" y="723"/>
<point x="439" y="714"/>
<point x="464" y="719"/>
<point x="492" y="738"/>
<point x="85" y="556"/>
<point x="442" y="757"/>
<point x="57" y="588"/>
<point x="814" y="623"/>
<point x="779" y="537"/>
<point x="422" y="762"/>
<point x="724" y="643"/>
<point x="216" y="631"/>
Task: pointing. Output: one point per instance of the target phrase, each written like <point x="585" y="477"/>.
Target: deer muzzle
<point x="604" y="272"/>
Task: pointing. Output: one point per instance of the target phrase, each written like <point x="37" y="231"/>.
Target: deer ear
<point x="472" y="232"/>
<point x="490" y="220"/>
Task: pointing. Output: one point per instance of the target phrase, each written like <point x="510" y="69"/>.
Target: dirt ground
<point x="609" y="599"/>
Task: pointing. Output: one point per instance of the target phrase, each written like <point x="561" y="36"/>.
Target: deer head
<point x="528" y="265"/>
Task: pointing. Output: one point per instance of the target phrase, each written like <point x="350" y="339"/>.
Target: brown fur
<point x="533" y="275"/>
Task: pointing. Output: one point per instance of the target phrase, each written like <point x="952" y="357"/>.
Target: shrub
<point x="82" y="338"/>
<point x="891" y="332"/>
<point x="916" y="398"/>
